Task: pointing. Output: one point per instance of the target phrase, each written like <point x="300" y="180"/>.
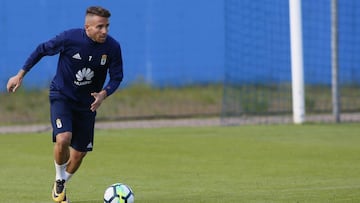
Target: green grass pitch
<point x="268" y="163"/>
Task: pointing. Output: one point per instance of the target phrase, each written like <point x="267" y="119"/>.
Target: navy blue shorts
<point x="66" y="116"/>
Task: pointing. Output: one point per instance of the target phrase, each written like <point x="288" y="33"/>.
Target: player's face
<point x="97" y="28"/>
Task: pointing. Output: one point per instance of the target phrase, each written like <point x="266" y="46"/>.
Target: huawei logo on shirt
<point x="84" y="76"/>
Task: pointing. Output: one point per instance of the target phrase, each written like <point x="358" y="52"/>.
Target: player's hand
<point x="99" y="98"/>
<point x="14" y="83"/>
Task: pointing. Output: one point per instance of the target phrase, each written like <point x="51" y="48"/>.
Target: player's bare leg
<point x="61" y="156"/>
<point x="75" y="160"/>
<point x="61" y="147"/>
<point x="67" y="162"/>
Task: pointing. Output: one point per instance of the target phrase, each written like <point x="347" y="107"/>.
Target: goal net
<point x="257" y="85"/>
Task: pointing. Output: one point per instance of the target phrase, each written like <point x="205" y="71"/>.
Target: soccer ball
<point x="118" y="193"/>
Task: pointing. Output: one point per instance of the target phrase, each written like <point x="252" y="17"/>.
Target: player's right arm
<point x="48" y="48"/>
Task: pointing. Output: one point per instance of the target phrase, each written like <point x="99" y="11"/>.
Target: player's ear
<point x="87" y="22"/>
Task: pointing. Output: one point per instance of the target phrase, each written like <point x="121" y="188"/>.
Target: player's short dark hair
<point x="98" y="11"/>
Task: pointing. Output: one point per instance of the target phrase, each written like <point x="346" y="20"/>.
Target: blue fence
<point x="164" y="42"/>
<point x="174" y="42"/>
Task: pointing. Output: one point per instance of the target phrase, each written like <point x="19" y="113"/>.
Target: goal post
<point x="335" y="62"/>
<point x="297" y="68"/>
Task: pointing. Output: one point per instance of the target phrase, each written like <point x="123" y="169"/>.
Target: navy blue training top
<point x="82" y="66"/>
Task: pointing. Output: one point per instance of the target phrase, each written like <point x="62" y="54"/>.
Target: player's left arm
<point x="116" y="76"/>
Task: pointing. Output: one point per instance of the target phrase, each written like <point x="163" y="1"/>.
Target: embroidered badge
<point x="58" y="123"/>
<point x="103" y="59"/>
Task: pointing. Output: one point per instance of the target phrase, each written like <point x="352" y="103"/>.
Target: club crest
<point x="103" y="59"/>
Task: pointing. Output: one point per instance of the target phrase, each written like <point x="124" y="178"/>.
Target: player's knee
<point x="63" y="139"/>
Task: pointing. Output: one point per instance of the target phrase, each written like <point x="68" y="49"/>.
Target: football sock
<point x="67" y="176"/>
<point x="60" y="171"/>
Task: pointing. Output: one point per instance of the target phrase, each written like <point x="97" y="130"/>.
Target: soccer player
<point x="86" y="56"/>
